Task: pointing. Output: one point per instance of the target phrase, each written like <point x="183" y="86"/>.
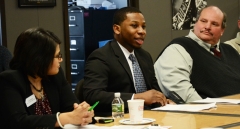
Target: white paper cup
<point x="70" y="126"/>
<point x="136" y="108"/>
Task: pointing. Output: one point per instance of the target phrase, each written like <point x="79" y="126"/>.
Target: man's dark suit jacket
<point x="15" y="88"/>
<point x="107" y="71"/>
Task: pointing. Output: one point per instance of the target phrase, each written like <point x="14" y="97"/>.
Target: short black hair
<point x="34" y="52"/>
<point x="121" y="14"/>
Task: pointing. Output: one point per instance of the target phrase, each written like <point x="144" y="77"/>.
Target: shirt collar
<point x="203" y="44"/>
<point x="125" y="51"/>
<point x="238" y="35"/>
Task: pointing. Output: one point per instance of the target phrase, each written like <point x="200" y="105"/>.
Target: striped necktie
<point x="140" y="84"/>
<point x="215" y="51"/>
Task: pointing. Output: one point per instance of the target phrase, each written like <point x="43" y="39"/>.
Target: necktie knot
<point x="132" y="58"/>
<point x="215" y="51"/>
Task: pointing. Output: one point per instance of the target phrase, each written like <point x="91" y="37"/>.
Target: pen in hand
<point x="93" y="106"/>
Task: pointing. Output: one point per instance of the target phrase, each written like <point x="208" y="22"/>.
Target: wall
<point x="20" y="19"/>
<point x="159" y="23"/>
<point x="157" y="14"/>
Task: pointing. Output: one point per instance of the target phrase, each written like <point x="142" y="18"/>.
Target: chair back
<point x="5" y="58"/>
<point x="79" y="90"/>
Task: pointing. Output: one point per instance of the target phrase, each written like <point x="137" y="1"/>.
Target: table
<point x="233" y="110"/>
<point x="187" y="120"/>
<point x="222" y="109"/>
<point x="225" y="116"/>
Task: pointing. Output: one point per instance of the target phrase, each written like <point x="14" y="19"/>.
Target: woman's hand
<point x="81" y="115"/>
<point x="87" y="118"/>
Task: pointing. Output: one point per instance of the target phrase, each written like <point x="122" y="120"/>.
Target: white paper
<point x="73" y="42"/>
<point x="186" y="107"/>
<point x="69" y="126"/>
<point x="218" y="100"/>
<point x="211" y="128"/>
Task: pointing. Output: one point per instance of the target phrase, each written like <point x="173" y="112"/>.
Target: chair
<point x="5" y="58"/>
<point x="79" y="90"/>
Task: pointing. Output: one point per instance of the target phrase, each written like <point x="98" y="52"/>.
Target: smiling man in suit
<point x="199" y="65"/>
<point x="109" y="69"/>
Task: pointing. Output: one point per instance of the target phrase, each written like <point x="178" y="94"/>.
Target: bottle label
<point x="117" y="108"/>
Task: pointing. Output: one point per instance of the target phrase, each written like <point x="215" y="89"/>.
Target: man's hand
<point x="152" y="96"/>
<point x="169" y="101"/>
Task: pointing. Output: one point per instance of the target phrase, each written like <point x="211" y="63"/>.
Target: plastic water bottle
<point x="117" y="107"/>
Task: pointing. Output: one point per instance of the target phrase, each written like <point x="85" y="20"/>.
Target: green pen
<point x="94" y="105"/>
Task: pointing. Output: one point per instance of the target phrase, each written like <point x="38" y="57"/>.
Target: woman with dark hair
<point x="34" y="93"/>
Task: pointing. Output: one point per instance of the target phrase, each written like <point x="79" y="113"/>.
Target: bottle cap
<point x="117" y="94"/>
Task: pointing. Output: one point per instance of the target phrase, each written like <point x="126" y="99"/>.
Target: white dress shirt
<point x="173" y="69"/>
<point x="127" y="54"/>
<point x="235" y="43"/>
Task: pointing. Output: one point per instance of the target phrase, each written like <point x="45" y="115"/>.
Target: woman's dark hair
<point x="121" y="14"/>
<point x="34" y="52"/>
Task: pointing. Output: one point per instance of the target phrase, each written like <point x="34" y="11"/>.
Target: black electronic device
<point x="105" y="120"/>
<point x="175" y="97"/>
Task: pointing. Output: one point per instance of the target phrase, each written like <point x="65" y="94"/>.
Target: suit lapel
<point x="28" y="94"/>
<point x="121" y="58"/>
<point x="26" y="91"/>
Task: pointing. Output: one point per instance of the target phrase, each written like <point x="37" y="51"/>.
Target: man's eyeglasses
<point x="59" y="56"/>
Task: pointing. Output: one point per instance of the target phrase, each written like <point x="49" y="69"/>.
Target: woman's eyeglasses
<point x="59" y="56"/>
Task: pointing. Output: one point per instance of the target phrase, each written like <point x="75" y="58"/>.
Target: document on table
<point x="218" y="100"/>
<point x="69" y="126"/>
<point x="186" y="107"/>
